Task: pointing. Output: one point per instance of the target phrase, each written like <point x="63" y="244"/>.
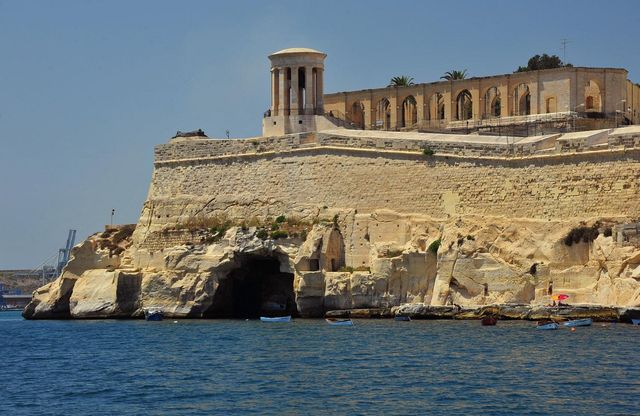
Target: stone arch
<point x="436" y="106"/>
<point x="592" y="97"/>
<point x="440" y="111"/>
<point x="383" y="114"/>
<point x="492" y="103"/>
<point x="551" y="105"/>
<point x="522" y="100"/>
<point x="357" y="114"/>
<point x="464" y="105"/>
<point x="409" y="112"/>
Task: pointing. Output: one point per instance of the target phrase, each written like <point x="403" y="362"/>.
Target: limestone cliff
<point x="341" y="260"/>
<point x="313" y="222"/>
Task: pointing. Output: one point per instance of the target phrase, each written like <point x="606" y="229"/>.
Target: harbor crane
<point x="63" y="253"/>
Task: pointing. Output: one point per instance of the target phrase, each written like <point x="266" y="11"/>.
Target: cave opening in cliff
<point x="256" y="288"/>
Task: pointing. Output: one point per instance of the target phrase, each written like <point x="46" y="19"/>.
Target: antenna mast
<point x="564" y="42"/>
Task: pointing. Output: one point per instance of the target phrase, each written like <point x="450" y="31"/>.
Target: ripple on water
<point x="223" y="367"/>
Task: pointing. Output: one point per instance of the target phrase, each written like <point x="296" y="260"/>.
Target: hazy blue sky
<point x="87" y="88"/>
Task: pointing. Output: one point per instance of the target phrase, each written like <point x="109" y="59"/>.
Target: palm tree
<point x="455" y="74"/>
<point x="401" y="81"/>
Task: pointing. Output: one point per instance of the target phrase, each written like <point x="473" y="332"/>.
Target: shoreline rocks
<point x="503" y="312"/>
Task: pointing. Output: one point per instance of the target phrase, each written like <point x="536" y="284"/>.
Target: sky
<point x="88" y="88"/>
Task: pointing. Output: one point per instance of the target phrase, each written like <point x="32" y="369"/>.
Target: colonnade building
<point x="591" y="93"/>
<point x="298" y="102"/>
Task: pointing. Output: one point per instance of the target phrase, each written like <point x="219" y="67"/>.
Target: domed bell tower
<point x="297" y="78"/>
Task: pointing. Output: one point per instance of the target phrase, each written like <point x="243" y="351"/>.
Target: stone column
<point x="283" y="93"/>
<point x="295" y="83"/>
<point x="309" y="103"/>
<point x="320" y="90"/>
<point x="275" y="92"/>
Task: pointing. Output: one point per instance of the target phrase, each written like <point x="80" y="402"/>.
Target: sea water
<point x="204" y="367"/>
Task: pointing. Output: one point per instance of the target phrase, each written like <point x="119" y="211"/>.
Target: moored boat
<point x="635" y="321"/>
<point x="547" y="325"/>
<point x="276" y="318"/>
<point x="489" y="321"/>
<point x="339" y="322"/>
<point x="402" y="318"/>
<point x="153" y="314"/>
<point x="578" y="322"/>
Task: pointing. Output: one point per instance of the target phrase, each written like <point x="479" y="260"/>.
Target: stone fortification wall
<point x="304" y="181"/>
<point x="449" y="144"/>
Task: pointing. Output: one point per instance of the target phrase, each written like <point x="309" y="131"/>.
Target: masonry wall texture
<point x="604" y="183"/>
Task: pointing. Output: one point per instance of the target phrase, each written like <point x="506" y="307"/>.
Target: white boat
<point x="339" y="322"/>
<point x="578" y="322"/>
<point x="153" y="314"/>
<point x="276" y="319"/>
<point x="548" y="326"/>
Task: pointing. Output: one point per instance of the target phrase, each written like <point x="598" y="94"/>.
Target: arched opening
<point x="383" y="114"/>
<point x="522" y="100"/>
<point x="287" y="95"/>
<point x="492" y="103"/>
<point x="464" y="105"/>
<point x="255" y="288"/>
<point x="552" y="106"/>
<point x="592" y="100"/>
<point x="332" y="253"/>
<point x="409" y="112"/>
<point x="440" y="106"/>
<point x="301" y="90"/>
<point x="357" y="114"/>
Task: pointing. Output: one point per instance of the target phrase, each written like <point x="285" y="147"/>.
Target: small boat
<point x="153" y="314"/>
<point x="339" y="322"/>
<point x="276" y="318"/>
<point x="402" y="318"/>
<point x="578" y="322"/>
<point x="546" y="325"/>
<point x="635" y="321"/>
<point x="489" y="321"/>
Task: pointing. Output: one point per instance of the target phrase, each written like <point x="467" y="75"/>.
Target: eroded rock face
<point x="345" y="261"/>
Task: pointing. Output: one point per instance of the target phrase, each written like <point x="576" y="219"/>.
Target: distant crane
<point x="63" y="253"/>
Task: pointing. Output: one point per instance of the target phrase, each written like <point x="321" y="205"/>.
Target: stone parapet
<point x="458" y="145"/>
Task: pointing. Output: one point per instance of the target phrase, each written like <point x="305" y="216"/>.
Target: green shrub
<point x="279" y="234"/>
<point x="583" y="233"/>
<point x="434" y="246"/>
<point x="347" y="269"/>
<point x="262" y="234"/>
<point x="281" y="219"/>
<point x="471" y="238"/>
<point x="428" y="151"/>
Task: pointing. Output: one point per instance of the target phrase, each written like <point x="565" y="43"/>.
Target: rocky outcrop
<point x="374" y="265"/>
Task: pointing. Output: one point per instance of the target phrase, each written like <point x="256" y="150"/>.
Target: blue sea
<point x="222" y="367"/>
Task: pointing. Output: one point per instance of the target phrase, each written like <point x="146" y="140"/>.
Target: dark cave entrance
<point x="256" y="288"/>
